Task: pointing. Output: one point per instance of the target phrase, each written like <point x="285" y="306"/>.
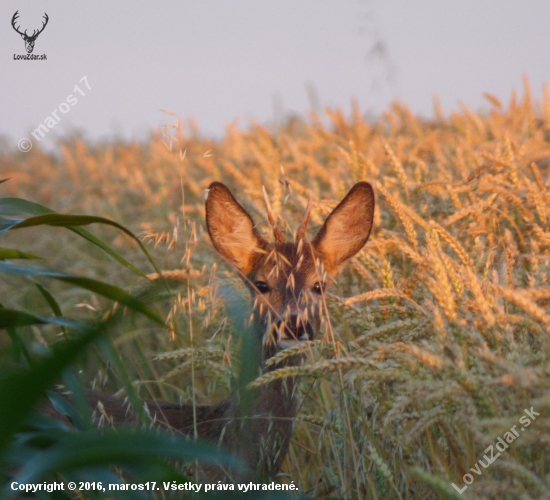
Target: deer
<point x="29" y="39"/>
<point x="287" y="281"/>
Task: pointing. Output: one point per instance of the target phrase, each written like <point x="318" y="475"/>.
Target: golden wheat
<point x="438" y="332"/>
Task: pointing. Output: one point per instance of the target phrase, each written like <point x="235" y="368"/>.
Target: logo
<point x="29" y="39"/>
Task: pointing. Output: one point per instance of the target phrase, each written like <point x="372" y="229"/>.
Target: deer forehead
<point x="283" y="260"/>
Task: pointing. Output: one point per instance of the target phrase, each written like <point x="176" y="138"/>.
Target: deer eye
<point x="261" y="286"/>
<point x="318" y="288"/>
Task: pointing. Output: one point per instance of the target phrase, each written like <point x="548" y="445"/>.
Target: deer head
<point x="29" y="39"/>
<point x="288" y="279"/>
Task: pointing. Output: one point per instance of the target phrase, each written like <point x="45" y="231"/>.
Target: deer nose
<point x="295" y="328"/>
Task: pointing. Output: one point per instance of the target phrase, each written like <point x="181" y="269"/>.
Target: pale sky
<point x="218" y="61"/>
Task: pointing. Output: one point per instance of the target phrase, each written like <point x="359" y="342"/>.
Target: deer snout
<point x="295" y="328"/>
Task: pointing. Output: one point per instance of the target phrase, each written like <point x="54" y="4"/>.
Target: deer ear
<point x="347" y="228"/>
<point x="232" y="229"/>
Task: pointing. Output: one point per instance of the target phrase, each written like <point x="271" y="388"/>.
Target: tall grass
<point x="40" y="451"/>
<point x="437" y="337"/>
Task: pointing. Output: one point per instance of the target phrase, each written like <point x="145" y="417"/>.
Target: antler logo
<point x="29" y="39"/>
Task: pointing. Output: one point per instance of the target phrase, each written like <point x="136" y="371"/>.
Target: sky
<point x="261" y="60"/>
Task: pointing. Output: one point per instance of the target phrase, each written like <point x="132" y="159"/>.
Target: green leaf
<point x="106" y="346"/>
<point x="19" y="346"/>
<point x="119" y="447"/>
<point x="12" y="318"/>
<point x="73" y="222"/>
<point x="7" y="224"/>
<point x="104" y="289"/>
<point x="76" y="387"/>
<point x="18" y="206"/>
<point x="21" y="390"/>
<point x="49" y="299"/>
<point x="11" y="253"/>
<point x="60" y="220"/>
<point x="62" y="406"/>
<point x="106" y="248"/>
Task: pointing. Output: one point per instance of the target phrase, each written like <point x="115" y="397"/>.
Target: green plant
<point x="35" y="448"/>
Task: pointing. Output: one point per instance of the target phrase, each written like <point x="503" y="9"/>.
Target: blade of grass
<point x="78" y="394"/>
<point x="21" y="390"/>
<point x="104" y="289"/>
<point x="18" y="206"/>
<point x="6" y="224"/>
<point x="11" y="253"/>
<point x="49" y="299"/>
<point x="108" y="349"/>
<point x="12" y="318"/>
<point x="120" y="447"/>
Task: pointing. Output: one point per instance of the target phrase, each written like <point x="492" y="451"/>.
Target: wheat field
<point x="436" y="336"/>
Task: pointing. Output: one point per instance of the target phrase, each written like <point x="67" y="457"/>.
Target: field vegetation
<point x="437" y="335"/>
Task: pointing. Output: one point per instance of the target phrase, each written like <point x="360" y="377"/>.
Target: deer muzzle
<point x="294" y="328"/>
